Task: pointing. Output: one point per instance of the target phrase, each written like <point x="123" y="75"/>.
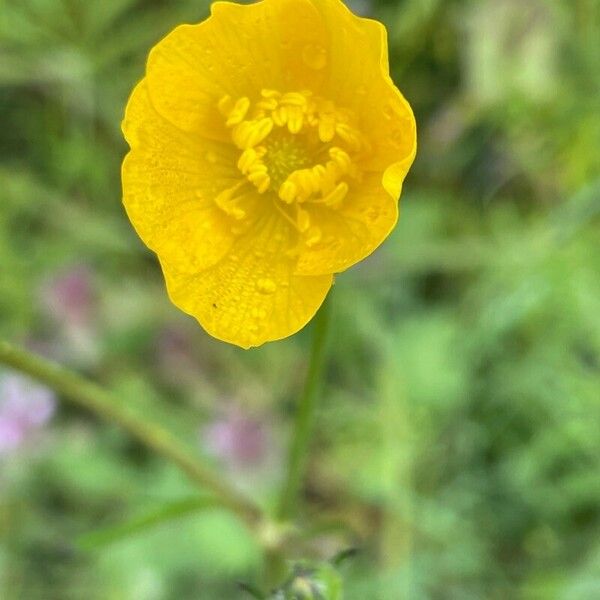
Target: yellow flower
<point x="268" y="150"/>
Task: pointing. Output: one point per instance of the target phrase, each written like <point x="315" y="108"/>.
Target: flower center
<point x="284" y="154"/>
<point x="296" y="145"/>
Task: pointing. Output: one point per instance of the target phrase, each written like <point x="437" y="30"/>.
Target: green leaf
<point x="343" y="556"/>
<point x="176" y="510"/>
<point x="253" y="591"/>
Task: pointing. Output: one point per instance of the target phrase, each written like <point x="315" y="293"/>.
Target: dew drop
<point x="266" y="286"/>
<point x="314" y="56"/>
<point x="388" y="111"/>
<point x="397" y="138"/>
<point x="372" y="214"/>
<point x="211" y="157"/>
<point x="259" y="313"/>
<point x="361" y="90"/>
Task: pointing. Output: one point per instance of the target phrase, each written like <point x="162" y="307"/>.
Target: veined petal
<point x="358" y="77"/>
<point x="170" y="180"/>
<point x="252" y="296"/>
<point x="392" y="134"/>
<point x="237" y="51"/>
<point x="356" y="53"/>
<point x="352" y="232"/>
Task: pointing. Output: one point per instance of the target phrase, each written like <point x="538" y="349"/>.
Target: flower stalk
<point x="87" y="395"/>
<point x="305" y="415"/>
<point x="274" y="559"/>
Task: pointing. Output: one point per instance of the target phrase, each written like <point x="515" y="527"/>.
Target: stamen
<point x="228" y="204"/>
<point x="288" y="191"/>
<point x="326" y="128"/>
<point x="313" y="236"/>
<point x="238" y="112"/>
<point x="280" y="116"/>
<point x="287" y="146"/>
<point x="250" y="133"/>
<point x="303" y="219"/>
<point x="334" y="199"/>
<point x="340" y="158"/>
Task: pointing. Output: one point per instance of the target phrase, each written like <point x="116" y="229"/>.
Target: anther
<point x="238" y="112"/>
<point x="303" y="220"/>
<point x="288" y="191"/>
<point x="326" y="128"/>
<point x="335" y="197"/>
<point x="228" y="204"/>
<point x="313" y="236"/>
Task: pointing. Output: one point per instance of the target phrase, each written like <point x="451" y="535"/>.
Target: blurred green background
<point x="458" y="440"/>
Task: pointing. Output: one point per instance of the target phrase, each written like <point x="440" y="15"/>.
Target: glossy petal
<point x="170" y="180"/>
<point x="351" y="232"/>
<point x="358" y="77"/>
<point x="252" y="295"/>
<point x="238" y="51"/>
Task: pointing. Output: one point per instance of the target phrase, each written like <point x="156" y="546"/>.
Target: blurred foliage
<point x="458" y="442"/>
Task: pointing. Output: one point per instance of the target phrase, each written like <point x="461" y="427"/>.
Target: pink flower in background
<point x="239" y="440"/>
<point x="175" y="354"/>
<point x="24" y="409"/>
<point x="69" y="297"/>
<point x="70" y="301"/>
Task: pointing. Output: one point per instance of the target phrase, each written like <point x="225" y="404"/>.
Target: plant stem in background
<point x="305" y="416"/>
<point x="88" y="395"/>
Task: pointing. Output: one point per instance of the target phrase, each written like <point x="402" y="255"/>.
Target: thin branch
<point x="90" y="396"/>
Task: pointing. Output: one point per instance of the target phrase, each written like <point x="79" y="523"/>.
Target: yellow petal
<point x="170" y="180"/>
<point x="238" y="51"/>
<point x="252" y="296"/>
<point x="358" y="77"/>
<point x="393" y="137"/>
<point x="356" y="53"/>
<point x="350" y="233"/>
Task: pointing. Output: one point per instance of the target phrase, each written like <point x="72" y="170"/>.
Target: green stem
<point x="274" y="559"/>
<point x="305" y="416"/>
<point x="93" y="398"/>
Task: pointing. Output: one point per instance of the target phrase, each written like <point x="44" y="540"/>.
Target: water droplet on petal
<point x="388" y="111"/>
<point x="266" y="286"/>
<point x="259" y="314"/>
<point x="397" y="138"/>
<point x="211" y="157"/>
<point x="372" y="214"/>
<point x="314" y="56"/>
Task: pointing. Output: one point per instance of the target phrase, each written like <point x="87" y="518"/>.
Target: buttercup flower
<point x="268" y="150"/>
